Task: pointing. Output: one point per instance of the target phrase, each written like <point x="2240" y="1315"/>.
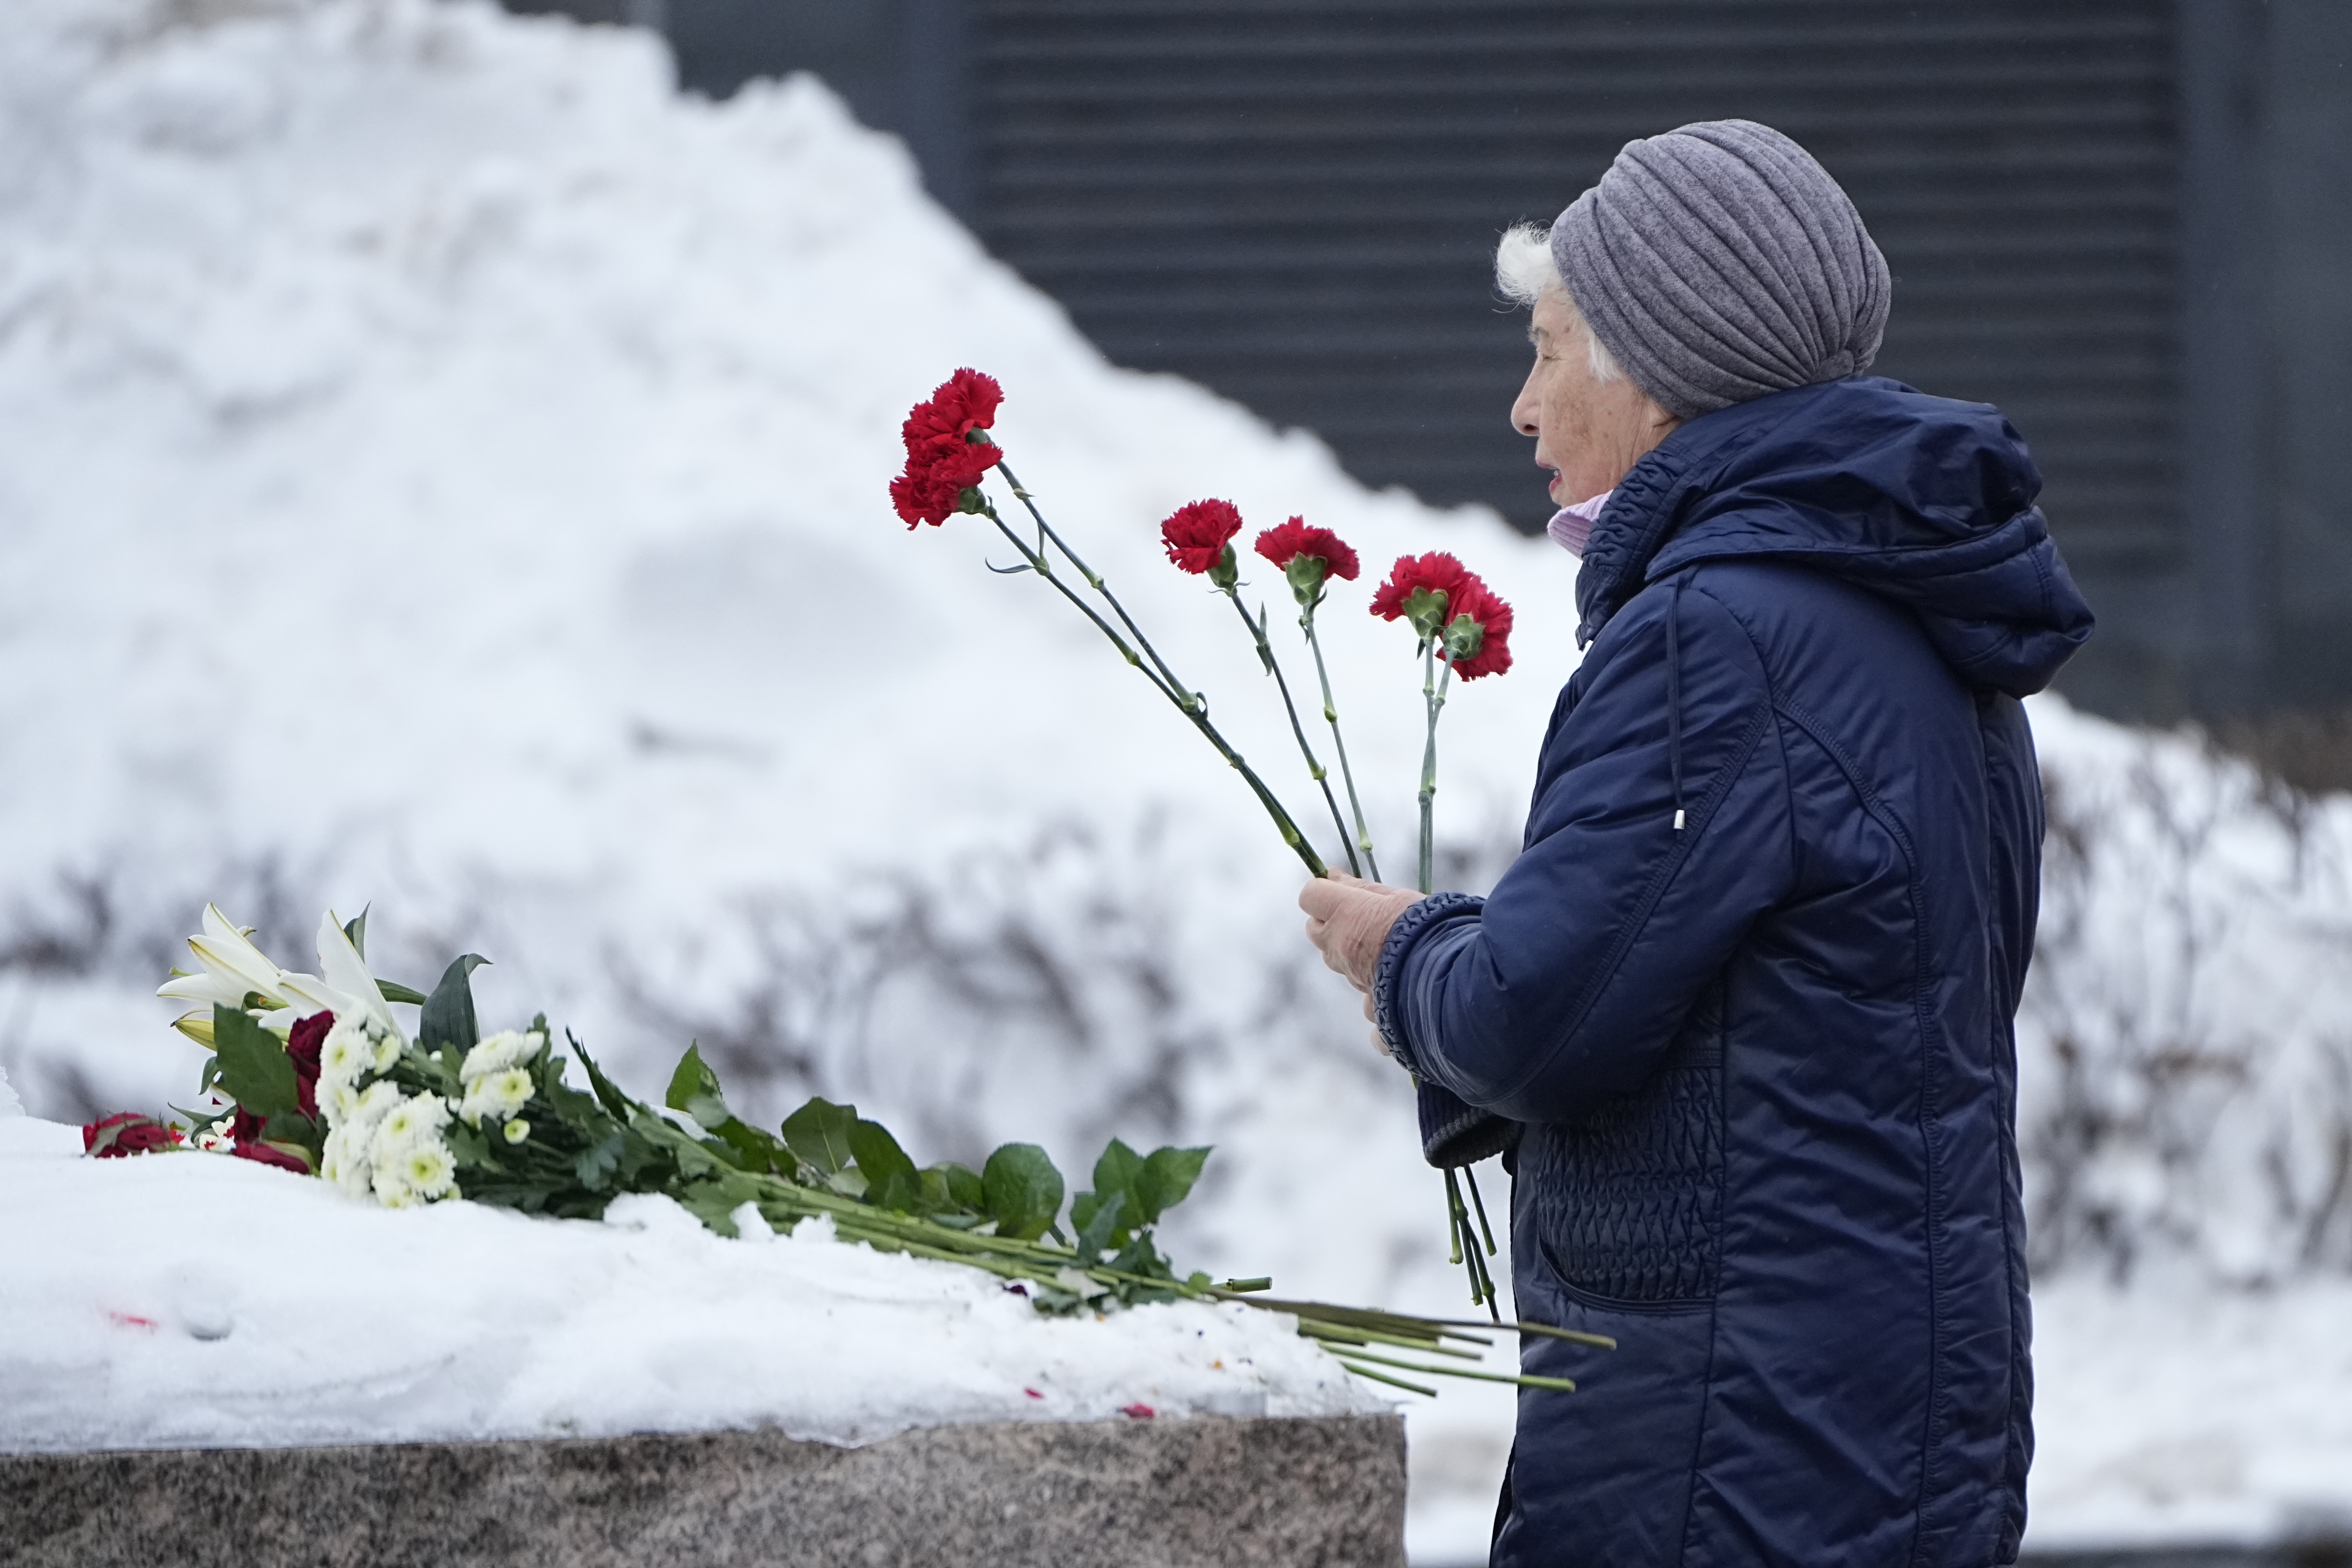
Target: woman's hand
<point x="1348" y="919"/>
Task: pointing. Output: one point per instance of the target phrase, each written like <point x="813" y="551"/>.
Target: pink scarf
<point x="1570" y="526"/>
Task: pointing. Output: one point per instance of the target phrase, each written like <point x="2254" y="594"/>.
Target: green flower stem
<point x="1189" y="703"/>
<point x="1542" y="1330"/>
<point x="1365" y="1372"/>
<point x="1315" y="770"/>
<point x="1433" y="695"/>
<point x="1524" y="1380"/>
<point x="1038" y="563"/>
<point x="1343" y="1336"/>
<point x="1331" y="717"/>
<point x="1471" y="1176"/>
<point x="1094" y="581"/>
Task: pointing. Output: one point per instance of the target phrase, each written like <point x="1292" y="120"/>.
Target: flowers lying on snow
<point x="126" y="1134"/>
<point x="407" y="1124"/>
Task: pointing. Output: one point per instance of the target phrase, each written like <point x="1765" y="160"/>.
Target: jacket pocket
<point x="1628" y="1198"/>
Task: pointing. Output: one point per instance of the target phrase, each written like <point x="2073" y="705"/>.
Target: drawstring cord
<point x="1675" y="695"/>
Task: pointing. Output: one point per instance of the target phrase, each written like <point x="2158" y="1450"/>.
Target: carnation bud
<point x="1426" y="611"/>
<point x="1463" y="638"/>
<point x="1305" y="574"/>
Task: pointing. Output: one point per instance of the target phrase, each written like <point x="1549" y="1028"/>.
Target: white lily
<point x="348" y="988"/>
<point x="232" y="969"/>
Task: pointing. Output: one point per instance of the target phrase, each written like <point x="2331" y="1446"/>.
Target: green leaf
<point x="1166" y="1180"/>
<point x="714" y="1203"/>
<point x="1103" y="1227"/>
<point x="393" y="991"/>
<point x="595" y="1165"/>
<point x="448" y="1017"/>
<point x="694" y="1088"/>
<point x="760" y="1152"/>
<point x="608" y="1093"/>
<point x="1021" y="1190"/>
<point x="819" y="1133"/>
<point x="964" y="1188"/>
<point x="890" y="1178"/>
<point x="1117" y="1172"/>
<point x="255" y="1071"/>
<point x="357" y="931"/>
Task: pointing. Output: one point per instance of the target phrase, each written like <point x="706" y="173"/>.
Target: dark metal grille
<point x="1295" y="202"/>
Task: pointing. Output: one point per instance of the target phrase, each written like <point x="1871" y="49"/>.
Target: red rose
<point x="943" y="460"/>
<point x="1294" y="539"/>
<point x="302" y="1046"/>
<point x="1198" y="532"/>
<point x="1413" y="592"/>
<point x="263" y="1153"/>
<point x="126" y="1134"/>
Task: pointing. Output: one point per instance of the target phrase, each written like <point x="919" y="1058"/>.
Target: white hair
<point x="1525" y="273"/>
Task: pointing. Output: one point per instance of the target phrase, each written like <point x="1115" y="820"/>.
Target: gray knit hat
<point x="1719" y="262"/>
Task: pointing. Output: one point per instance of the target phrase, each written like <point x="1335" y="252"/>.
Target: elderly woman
<point x="1739" y="1016"/>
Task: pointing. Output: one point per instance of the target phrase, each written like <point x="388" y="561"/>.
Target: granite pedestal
<point x="1321" y="1493"/>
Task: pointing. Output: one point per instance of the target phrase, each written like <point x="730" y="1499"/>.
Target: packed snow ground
<point x="138" y="1316"/>
<point x="447" y="471"/>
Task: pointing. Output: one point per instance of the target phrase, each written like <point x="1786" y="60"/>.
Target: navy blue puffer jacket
<point x="1741" y="1010"/>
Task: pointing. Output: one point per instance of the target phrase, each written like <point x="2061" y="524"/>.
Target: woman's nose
<point x="1523" y="409"/>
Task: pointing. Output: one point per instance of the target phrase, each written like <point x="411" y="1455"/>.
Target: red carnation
<point x="943" y="458"/>
<point x="1198" y="532"/>
<point x="1284" y="546"/>
<point x="963" y="403"/>
<point x="126" y="1134"/>
<point x="1413" y="592"/>
<point x="1482" y="605"/>
<point x="1435" y="573"/>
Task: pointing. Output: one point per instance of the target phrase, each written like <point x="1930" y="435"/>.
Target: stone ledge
<point x="1310" y="1493"/>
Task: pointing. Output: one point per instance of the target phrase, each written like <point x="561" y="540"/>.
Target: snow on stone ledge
<point x="190" y="1300"/>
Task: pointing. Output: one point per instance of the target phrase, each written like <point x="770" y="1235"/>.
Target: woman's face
<point x="1588" y="431"/>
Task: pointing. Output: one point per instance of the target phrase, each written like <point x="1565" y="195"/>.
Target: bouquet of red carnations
<point x="1462" y="628"/>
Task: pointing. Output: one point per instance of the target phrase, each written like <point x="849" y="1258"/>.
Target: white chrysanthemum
<point x="507" y="1048"/>
<point x="344" y="1056"/>
<point x="359" y="1109"/>
<point x="414" y="1120"/>
<point x="356" y="1047"/>
<point x="498" y="1096"/>
<point x="430" y="1170"/>
<point x="392" y="1188"/>
<point x="518" y="1130"/>
<point x="344" y="1160"/>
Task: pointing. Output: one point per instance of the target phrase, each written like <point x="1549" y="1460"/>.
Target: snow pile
<point x="2191" y="1414"/>
<point x="446" y="470"/>
<point x="459" y="1323"/>
<point x="2186" y="1044"/>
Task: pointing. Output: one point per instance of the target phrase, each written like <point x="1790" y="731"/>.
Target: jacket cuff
<point x="1388" y="976"/>
<point x="1455" y="1133"/>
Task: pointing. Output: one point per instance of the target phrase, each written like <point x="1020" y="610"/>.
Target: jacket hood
<point x="1925" y="502"/>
